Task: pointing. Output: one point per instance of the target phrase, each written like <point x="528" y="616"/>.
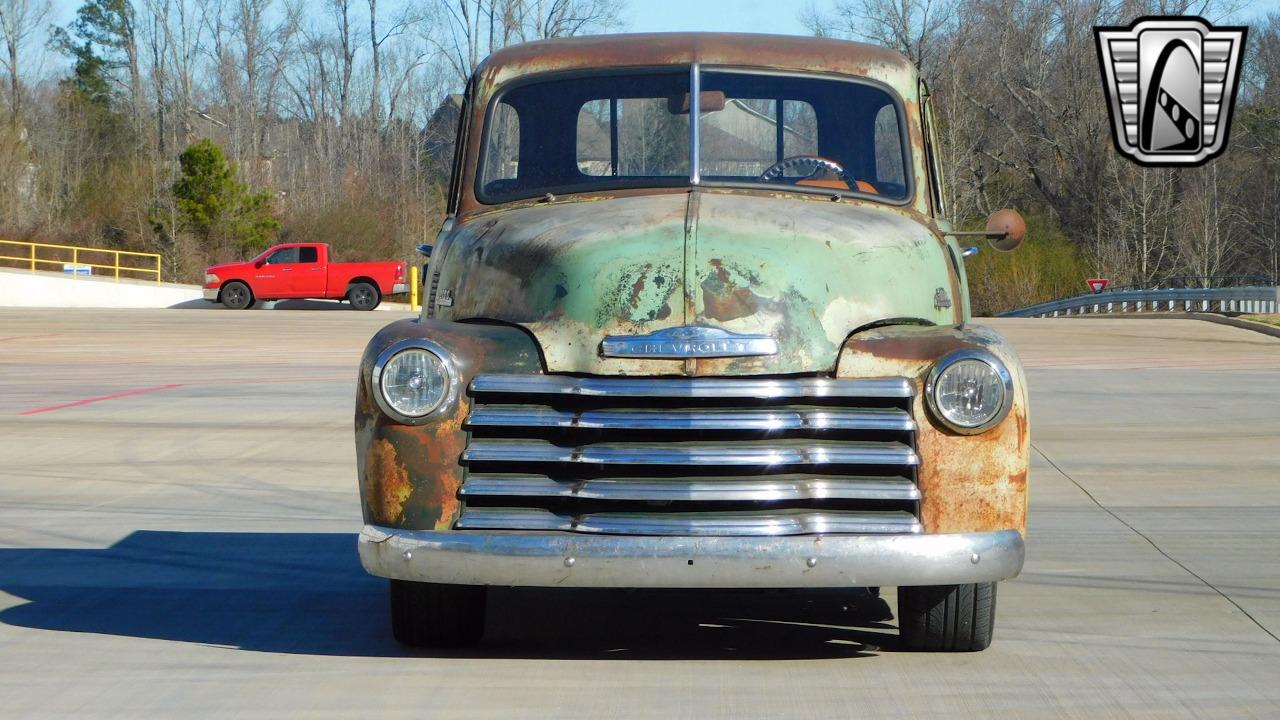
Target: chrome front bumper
<point x="211" y="294"/>
<point x="560" y="559"/>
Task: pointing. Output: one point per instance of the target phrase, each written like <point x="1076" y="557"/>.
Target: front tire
<point x="236" y="295"/>
<point x="435" y="615"/>
<point x="947" y="618"/>
<point x="363" y="296"/>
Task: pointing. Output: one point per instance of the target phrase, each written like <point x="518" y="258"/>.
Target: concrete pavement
<point x="178" y="508"/>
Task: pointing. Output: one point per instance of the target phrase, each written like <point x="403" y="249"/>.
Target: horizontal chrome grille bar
<point x="759" y="489"/>
<point x="751" y="388"/>
<point x="755" y="453"/>
<point x="766" y="523"/>
<point x="766" y="419"/>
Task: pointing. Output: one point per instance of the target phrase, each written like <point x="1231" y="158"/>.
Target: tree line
<point x="208" y="129"/>
<point x="204" y="130"/>
<point x="1023" y="123"/>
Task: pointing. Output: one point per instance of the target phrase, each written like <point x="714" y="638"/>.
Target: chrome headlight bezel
<point x="984" y="357"/>
<point x="451" y="391"/>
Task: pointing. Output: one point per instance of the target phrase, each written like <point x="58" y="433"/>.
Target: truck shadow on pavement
<point x="305" y="593"/>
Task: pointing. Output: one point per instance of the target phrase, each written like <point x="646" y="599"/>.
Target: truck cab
<point x="695" y="320"/>
<point x="303" y="270"/>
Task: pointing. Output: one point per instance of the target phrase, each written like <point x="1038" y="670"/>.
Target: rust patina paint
<point x="410" y="474"/>
<point x="535" y="285"/>
<point x="968" y="483"/>
<point x="807" y="271"/>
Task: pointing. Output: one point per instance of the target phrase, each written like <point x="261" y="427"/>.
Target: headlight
<point x="969" y="391"/>
<point x="210" y="278"/>
<point x="412" y="379"/>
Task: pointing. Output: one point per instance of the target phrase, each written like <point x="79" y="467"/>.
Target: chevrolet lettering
<point x="689" y="342"/>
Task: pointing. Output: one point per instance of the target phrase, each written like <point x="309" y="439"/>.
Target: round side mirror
<point x="1006" y="229"/>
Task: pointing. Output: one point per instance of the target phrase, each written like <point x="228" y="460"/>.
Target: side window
<point x="888" y="139"/>
<point x="502" y="157"/>
<point x="284" y="256"/>
<point x="461" y="131"/>
<point x="800" y="123"/>
<point x="308" y="255"/>
<point x="632" y="137"/>
<point x="931" y="153"/>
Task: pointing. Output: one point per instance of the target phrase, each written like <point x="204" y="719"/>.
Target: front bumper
<point x="560" y="559"/>
<point x="211" y="294"/>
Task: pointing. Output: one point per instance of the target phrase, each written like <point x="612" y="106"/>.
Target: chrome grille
<point x="691" y="456"/>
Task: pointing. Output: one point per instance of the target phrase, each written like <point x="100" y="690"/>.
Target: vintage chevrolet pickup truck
<point x="695" y="320"/>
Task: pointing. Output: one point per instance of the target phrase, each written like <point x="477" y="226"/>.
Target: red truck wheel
<point x="434" y="615"/>
<point x="363" y="296"/>
<point x="236" y="295"/>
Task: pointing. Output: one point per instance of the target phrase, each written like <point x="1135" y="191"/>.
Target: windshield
<point x="627" y="130"/>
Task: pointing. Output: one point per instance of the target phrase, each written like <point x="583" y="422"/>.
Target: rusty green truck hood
<point x="806" y="272"/>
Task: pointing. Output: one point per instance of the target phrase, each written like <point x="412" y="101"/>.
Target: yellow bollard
<point x="413" y="288"/>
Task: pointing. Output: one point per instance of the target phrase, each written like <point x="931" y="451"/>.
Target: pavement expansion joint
<point x="1153" y="544"/>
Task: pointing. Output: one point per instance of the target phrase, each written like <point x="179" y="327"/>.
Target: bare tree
<point x="913" y="27"/>
<point x="18" y="20"/>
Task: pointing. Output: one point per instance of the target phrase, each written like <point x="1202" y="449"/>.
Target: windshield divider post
<point x="780" y="130"/>
<point x="695" y="112"/>
<point x="613" y="136"/>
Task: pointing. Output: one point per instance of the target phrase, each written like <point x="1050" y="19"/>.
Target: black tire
<point x="236" y="295"/>
<point x="947" y="618"/>
<point x="433" y="615"/>
<point x="363" y="296"/>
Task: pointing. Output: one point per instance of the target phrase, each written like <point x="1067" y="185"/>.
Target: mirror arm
<point x="982" y="233"/>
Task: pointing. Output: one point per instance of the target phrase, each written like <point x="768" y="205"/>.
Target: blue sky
<point x="775" y="16"/>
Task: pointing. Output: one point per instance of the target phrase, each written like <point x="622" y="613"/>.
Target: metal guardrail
<point x="36" y="255"/>
<point x="1252" y="299"/>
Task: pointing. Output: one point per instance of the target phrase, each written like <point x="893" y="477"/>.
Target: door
<point x="309" y="273"/>
<point x="275" y="279"/>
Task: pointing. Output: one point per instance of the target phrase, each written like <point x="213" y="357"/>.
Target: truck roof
<point x="782" y="52"/>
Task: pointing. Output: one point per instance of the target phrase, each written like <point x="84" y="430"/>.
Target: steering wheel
<point x="817" y="163"/>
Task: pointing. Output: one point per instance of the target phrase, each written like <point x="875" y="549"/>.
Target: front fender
<point x="409" y="474"/>
<point x="968" y="483"/>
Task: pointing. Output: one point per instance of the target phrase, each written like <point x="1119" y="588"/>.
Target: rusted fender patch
<point x="968" y="483"/>
<point x="410" y="474"/>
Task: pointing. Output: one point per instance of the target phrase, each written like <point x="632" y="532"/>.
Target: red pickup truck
<point x="303" y="270"/>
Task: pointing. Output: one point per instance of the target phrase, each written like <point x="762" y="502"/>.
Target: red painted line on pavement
<point x="86" y="401"/>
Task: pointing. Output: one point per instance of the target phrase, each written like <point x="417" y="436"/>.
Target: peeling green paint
<point x="808" y="272"/>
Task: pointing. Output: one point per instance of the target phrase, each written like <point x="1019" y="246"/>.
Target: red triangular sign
<point x="1097" y="285"/>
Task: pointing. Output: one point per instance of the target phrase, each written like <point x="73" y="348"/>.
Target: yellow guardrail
<point x="35" y="255"/>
